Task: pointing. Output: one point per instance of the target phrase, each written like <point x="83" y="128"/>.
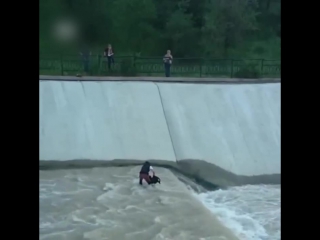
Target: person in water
<point x="144" y="172"/>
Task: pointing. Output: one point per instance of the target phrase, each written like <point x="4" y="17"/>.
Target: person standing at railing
<point x="108" y="54"/>
<point x="167" y="59"/>
<point x="85" y="54"/>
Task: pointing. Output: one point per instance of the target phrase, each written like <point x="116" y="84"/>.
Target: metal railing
<point x="153" y="66"/>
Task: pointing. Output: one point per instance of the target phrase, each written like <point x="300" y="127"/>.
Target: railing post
<point x="99" y="64"/>
<point x="61" y="64"/>
<point x="262" y="61"/>
<point x="231" y="74"/>
<point x="134" y="61"/>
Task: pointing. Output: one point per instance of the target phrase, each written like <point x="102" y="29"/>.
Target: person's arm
<point x="151" y="169"/>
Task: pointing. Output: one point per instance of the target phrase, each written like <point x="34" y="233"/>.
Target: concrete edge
<point x="207" y="175"/>
<point x="160" y="79"/>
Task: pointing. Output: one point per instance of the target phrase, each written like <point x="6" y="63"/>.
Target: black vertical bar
<point x="231" y="75"/>
<point x="61" y="64"/>
<point x="99" y="64"/>
<point x="262" y="60"/>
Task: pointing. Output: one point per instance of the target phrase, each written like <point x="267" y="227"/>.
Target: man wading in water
<point x="144" y="172"/>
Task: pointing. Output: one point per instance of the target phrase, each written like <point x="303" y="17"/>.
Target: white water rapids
<point x="108" y="203"/>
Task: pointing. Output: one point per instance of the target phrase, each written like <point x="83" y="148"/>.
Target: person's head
<point x="109" y="45"/>
<point x="168" y="52"/>
<point x="147" y="163"/>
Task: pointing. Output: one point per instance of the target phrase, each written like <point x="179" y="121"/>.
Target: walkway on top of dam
<point x="161" y="79"/>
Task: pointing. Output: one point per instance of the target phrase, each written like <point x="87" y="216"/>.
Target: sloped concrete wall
<point x="102" y="121"/>
<point x="236" y="127"/>
<point x="221" y="134"/>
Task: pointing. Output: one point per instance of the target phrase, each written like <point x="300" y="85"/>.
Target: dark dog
<point x="154" y="180"/>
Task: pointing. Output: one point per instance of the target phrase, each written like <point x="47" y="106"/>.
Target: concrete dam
<point x="217" y="135"/>
<point x="222" y="133"/>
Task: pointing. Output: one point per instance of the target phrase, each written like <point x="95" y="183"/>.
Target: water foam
<point x="251" y="212"/>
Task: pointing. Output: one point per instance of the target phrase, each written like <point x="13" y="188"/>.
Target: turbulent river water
<point x="108" y="203"/>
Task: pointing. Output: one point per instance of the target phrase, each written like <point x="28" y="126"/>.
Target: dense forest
<point x="190" y="28"/>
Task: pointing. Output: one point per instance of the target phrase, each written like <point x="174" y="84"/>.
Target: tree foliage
<point x="214" y="28"/>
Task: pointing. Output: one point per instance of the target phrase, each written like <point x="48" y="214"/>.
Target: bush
<point x="247" y="71"/>
<point x="127" y="68"/>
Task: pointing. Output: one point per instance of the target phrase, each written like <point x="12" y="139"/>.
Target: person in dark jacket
<point x="144" y="172"/>
<point x="167" y="60"/>
<point x="108" y="54"/>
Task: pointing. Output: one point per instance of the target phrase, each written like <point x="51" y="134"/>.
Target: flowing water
<point x="108" y="203"/>
<point x="251" y="212"/>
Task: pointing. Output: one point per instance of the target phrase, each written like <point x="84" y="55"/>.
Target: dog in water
<point x="154" y="180"/>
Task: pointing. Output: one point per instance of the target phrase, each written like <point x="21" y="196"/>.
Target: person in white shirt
<point x="167" y="59"/>
<point x="108" y="54"/>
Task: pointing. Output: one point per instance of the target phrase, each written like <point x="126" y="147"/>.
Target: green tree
<point x="227" y="23"/>
<point x="210" y="28"/>
<point x="133" y="25"/>
<point x="180" y="32"/>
